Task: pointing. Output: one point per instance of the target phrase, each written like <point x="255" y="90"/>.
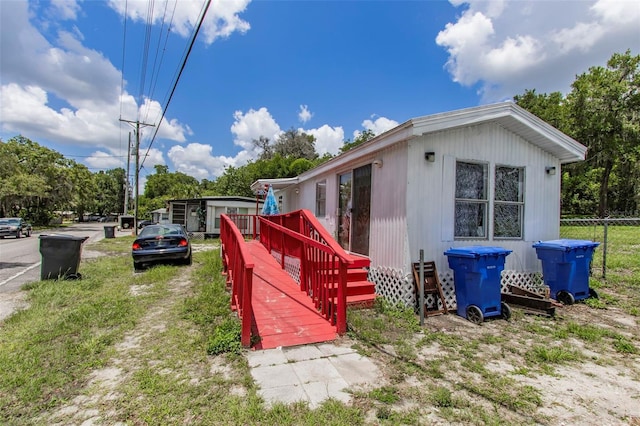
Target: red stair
<point x="361" y="293"/>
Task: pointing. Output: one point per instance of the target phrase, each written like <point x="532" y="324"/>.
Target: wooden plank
<point x="283" y="314"/>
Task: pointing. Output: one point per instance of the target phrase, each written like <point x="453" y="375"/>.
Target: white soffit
<point x="511" y="117"/>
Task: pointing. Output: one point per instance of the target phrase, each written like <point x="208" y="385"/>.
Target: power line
<point x="175" y="84"/>
<point x="155" y="70"/>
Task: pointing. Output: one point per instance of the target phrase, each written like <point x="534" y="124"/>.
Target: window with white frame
<point x="321" y="198"/>
<point x="472" y="202"/>
<point x="508" y="204"/>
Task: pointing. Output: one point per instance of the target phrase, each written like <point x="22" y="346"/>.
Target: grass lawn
<point x="162" y="347"/>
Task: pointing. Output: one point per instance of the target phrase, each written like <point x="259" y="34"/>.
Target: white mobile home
<point x="201" y="216"/>
<point x="488" y="175"/>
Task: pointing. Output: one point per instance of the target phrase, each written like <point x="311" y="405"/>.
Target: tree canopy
<point x="602" y="111"/>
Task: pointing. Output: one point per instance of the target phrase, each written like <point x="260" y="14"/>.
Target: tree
<point x="360" y="139"/>
<point x="34" y="180"/>
<point x="265" y="147"/>
<point x="297" y="144"/>
<point x="551" y="108"/>
<point x="170" y="185"/>
<point x="109" y="195"/>
<point x="604" y="113"/>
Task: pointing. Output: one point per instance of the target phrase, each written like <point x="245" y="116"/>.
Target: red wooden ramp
<point x="283" y="315"/>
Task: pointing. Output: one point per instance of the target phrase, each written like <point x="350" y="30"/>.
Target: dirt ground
<point x="603" y="388"/>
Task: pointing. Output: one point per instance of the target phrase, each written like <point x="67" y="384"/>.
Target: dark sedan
<point x="161" y="244"/>
<point x="14" y="227"/>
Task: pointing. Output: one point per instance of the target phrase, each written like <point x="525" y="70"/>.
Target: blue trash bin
<point x="565" y="268"/>
<point x="476" y="274"/>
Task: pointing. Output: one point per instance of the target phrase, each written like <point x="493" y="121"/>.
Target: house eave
<point x="513" y="118"/>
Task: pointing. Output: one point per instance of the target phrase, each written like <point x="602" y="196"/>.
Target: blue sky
<point x="68" y="73"/>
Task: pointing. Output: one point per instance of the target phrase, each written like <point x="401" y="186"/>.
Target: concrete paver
<point x="311" y="373"/>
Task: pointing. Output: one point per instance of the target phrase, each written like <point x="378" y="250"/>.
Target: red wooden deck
<point x="283" y="315"/>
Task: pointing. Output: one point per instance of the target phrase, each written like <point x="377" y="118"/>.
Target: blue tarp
<point x="270" y="206"/>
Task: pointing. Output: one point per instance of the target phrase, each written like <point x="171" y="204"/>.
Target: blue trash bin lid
<point x="477" y="251"/>
<point x="566" y="244"/>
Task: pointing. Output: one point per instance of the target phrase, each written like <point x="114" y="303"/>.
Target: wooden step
<point x="356" y="288"/>
<point x="358" y="261"/>
<point x="356" y="274"/>
<point x="361" y="301"/>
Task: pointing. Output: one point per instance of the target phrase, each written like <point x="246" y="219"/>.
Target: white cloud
<point x="83" y="83"/>
<point x="304" y="115"/>
<point x="150" y="157"/>
<point x="377" y="126"/>
<point x="582" y="37"/>
<point x="328" y="139"/>
<point x="66" y="9"/>
<point x="505" y="47"/>
<point x="617" y="12"/>
<point x="197" y="160"/>
<point x="221" y="20"/>
<point x="104" y="160"/>
<point x="252" y="125"/>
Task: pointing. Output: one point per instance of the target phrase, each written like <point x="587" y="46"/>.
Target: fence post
<point x="604" y="249"/>
<point x="341" y="300"/>
<point x="421" y="287"/>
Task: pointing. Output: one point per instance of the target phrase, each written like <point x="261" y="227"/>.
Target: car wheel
<point x="188" y="260"/>
<point x="137" y="266"/>
<point x="19" y="234"/>
<point x="28" y="233"/>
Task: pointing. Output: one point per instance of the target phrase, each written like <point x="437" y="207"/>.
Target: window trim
<point x="321" y="200"/>
<point x="520" y="204"/>
<point x="481" y="201"/>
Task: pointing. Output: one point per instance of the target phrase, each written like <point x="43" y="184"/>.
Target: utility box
<point x="126" y="222"/>
<point x="60" y="256"/>
<point x="476" y="271"/>
<point x="566" y="268"/>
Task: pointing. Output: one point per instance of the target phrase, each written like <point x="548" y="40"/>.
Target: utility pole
<point x="126" y="187"/>
<point x="137" y="175"/>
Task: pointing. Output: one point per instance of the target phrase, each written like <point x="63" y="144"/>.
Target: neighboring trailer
<point x="201" y="216"/>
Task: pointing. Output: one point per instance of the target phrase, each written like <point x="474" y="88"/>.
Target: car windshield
<point x="4" y="222"/>
<point x="155" y="230"/>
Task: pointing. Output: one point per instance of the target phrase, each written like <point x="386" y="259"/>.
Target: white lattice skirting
<point x="397" y="286"/>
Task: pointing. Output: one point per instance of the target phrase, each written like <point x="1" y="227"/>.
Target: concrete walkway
<point x="311" y="373"/>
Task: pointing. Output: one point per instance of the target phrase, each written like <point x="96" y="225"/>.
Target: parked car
<point x="14" y="227"/>
<point x="161" y="244"/>
<point x="144" y="223"/>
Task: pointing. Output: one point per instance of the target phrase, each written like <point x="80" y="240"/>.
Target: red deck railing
<point x="238" y="265"/>
<point x="323" y="262"/>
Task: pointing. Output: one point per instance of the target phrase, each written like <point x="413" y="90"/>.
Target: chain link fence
<point x="609" y="232"/>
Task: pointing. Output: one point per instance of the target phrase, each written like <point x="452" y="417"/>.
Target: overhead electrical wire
<point x="157" y="65"/>
<point x="177" y="79"/>
<point x="124" y="45"/>
<point x="145" y="53"/>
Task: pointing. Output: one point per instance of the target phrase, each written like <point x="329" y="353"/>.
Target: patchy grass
<point x="171" y="337"/>
<point x="47" y="351"/>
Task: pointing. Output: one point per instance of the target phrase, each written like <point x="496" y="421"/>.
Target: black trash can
<point x="60" y="256"/>
<point x="110" y="231"/>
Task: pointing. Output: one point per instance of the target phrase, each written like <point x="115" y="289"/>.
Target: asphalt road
<point x="20" y="259"/>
